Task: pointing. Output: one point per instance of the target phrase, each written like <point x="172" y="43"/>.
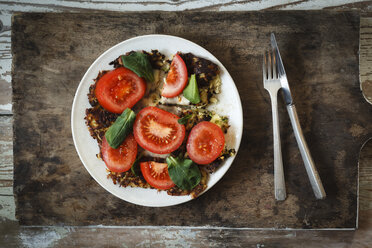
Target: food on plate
<point x="119" y="89"/>
<point x="183" y="172"/>
<point x="163" y="105"/>
<point x="156" y="174"/>
<point x="158" y="131"/>
<point x="122" y="158"/>
<point x="176" y="79"/>
<point x="205" y="143"/>
<point x="120" y="129"/>
<point x="191" y="92"/>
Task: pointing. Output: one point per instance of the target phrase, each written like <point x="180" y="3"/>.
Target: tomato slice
<point x="119" y="89"/>
<point x="156" y="174"/>
<point x="158" y="131"/>
<point x="122" y="158"/>
<point x="176" y="79"/>
<point x="205" y="143"/>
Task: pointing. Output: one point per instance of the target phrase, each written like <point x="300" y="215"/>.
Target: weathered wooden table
<point x="11" y="234"/>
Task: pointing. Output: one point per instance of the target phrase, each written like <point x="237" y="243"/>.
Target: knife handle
<point x="312" y="173"/>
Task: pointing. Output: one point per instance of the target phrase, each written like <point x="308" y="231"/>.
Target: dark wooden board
<point x="51" y="53"/>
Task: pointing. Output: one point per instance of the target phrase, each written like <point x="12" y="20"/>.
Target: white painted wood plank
<point x="167" y="5"/>
<point x="5" y="64"/>
<point x="7" y="208"/>
<point x="343" y="5"/>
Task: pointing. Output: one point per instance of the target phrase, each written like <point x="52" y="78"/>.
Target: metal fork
<point x="272" y="84"/>
<point x="311" y="170"/>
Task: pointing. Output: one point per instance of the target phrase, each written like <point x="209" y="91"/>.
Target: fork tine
<point x="269" y="66"/>
<point x="274" y="65"/>
<point x="264" y="74"/>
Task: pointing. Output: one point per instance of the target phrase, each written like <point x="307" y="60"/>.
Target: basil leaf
<point x="118" y="131"/>
<point x="191" y="92"/>
<point x="136" y="169"/>
<point x="184" y="119"/>
<point x="183" y="172"/>
<point x="139" y="64"/>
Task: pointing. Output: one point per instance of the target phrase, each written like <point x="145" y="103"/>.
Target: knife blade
<point x="281" y="72"/>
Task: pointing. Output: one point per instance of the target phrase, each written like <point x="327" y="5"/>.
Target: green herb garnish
<point x="183" y="172"/>
<point x="139" y="63"/>
<point x="118" y="131"/>
<point x="136" y="169"/>
<point x="184" y="119"/>
<point x="191" y="92"/>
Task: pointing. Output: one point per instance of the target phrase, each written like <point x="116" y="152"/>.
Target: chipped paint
<point x="43" y="239"/>
<point x="181" y="238"/>
<point x="6" y="107"/>
<point x="7" y="207"/>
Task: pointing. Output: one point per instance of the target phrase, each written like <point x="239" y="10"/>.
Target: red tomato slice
<point x="205" y="143"/>
<point x="158" y="131"/>
<point x="156" y="174"/>
<point x="176" y="79"/>
<point x="119" y="89"/>
<point x="122" y="158"/>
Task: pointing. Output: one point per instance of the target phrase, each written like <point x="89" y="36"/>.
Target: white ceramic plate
<point x="229" y="105"/>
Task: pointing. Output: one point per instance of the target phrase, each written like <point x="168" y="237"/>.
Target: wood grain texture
<point x="366" y="58"/>
<point x="244" y="196"/>
<point x="365" y="170"/>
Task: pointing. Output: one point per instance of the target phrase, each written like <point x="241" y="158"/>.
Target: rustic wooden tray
<point x="51" y="52"/>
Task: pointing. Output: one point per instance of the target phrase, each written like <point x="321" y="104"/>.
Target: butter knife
<point x="311" y="170"/>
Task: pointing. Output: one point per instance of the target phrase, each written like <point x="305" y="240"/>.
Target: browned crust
<point x="127" y="178"/>
<point x="204" y="69"/>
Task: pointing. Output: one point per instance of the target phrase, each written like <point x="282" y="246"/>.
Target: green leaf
<point x="191" y="92"/>
<point x="184" y="119"/>
<point x="139" y="63"/>
<point x="183" y="172"/>
<point x="136" y="169"/>
<point x="118" y="131"/>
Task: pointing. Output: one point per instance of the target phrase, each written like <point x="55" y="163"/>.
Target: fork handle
<point x="279" y="182"/>
<point x="311" y="170"/>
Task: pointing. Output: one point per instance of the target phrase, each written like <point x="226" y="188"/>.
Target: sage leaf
<point x="191" y="92"/>
<point x="136" y="169"/>
<point x="139" y="63"/>
<point x="184" y="119"/>
<point x="118" y="131"/>
<point x="183" y="172"/>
